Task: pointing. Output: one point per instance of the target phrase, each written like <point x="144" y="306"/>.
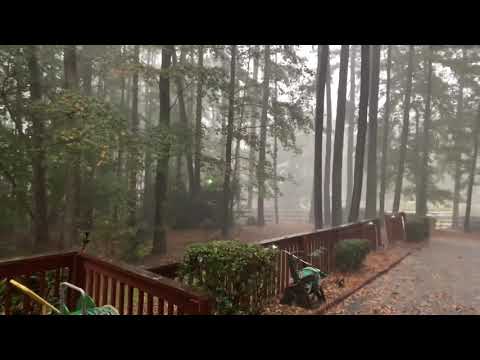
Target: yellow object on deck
<point x="34" y="296"/>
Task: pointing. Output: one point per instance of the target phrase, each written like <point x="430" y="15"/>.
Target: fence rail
<point x="131" y="290"/>
<point x="395" y="226"/>
<point x="153" y="291"/>
<point x="443" y="220"/>
<point x="306" y="244"/>
<point x="284" y="215"/>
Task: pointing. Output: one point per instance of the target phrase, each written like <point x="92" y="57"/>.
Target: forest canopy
<point x="127" y="142"/>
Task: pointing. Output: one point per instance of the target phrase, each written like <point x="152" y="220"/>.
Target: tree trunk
<point x="263" y="139"/>
<point x="134" y="153"/>
<point x="417" y="149"/>
<point x="383" y="176"/>
<point x="458" y="155"/>
<point x="471" y="179"/>
<point x="371" y="201"/>
<point x="39" y="180"/>
<point x="351" y="126"/>
<point x="253" y="129"/>
<point x="361" y="134"/>
<point x="337" y="218"/>
<point x="21" y="191"/>
<point x="161" y="176"/>
<point x="235" y="181"/>
<point x="311" y="212"/>
<point x="119" y="163"/>
<point x="327" y="191"/>
<point x="228" y="146"/>
<point x="128" y="100"/>
<point x="322" y="60"/>
<point x="72" y="165"/>
<point x="180" y="186"/>
<point x="224" y="113"/>
<point x="147" y="191"/>
<point x="456" y="193"/>
<point x="184" y="119"/>
<point x="275" y="150"/>
<point x="236" y="176"/>
<point x="403" y="146"/>
<point x="424" y="171"/>
<point x="89" y="176"/>
<point x="87" y="73"/>
<point x="198" y="123"/>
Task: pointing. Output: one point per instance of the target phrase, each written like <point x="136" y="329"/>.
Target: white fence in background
<point x="299" y="216"/>
<point x="285" y="216"/>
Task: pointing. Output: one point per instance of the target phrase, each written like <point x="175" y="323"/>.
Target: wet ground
<point x="442" y="278"/>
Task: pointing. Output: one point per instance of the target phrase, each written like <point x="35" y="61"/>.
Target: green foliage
<point x="17" y="298"/>
<point x="8" y="217"/>
<point x="237" y="275"/>
<point x="350" y="253"/>
<point x="418" y="228"/>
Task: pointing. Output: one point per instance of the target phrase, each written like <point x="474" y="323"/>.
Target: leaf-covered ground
<point x="442" y="278"/>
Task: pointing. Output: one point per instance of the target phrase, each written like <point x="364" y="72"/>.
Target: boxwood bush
<point x="238" y="276"/>
<point x="349" y="254"/>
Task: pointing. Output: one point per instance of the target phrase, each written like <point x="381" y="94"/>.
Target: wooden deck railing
<point x="395" y="227"/>
<point x="321" y="243"/>
<point x="42" y="273"/>
<point x="131" y="290"/>
<point x="153" y="291"/>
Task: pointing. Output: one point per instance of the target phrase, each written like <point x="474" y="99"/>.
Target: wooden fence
<point x="443" y="220"/>
<point x="131" y="290"/>
<point x="154" y="291"/>
<point x="286" y="216"/>
<point x="316" y="247"/>
<point x="395" y="227"/>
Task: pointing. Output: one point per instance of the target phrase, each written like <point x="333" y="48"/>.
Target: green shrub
<point x="349" y="254"/>
<point x="236" y="275"/>
<point x="419" y="228"/>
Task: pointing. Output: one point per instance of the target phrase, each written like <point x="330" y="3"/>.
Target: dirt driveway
<point x="442" y="278"/>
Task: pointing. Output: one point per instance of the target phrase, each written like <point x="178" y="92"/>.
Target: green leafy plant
<point x="17" y="299"/>
<point x="238" y="276"/>
<point x="349" y="254"/>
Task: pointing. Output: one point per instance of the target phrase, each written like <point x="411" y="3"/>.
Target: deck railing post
<point x="379" y="232"/>
<point x="332" y="240"/>
<point x="78" y="278"/>
<point x="403" y="222"/>
<point x="304" y="248"/>
<point x="370" y="230"/>
<point x="386" y="220"/>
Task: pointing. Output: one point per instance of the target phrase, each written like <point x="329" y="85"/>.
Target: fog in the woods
<point x="151" y="147"/>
